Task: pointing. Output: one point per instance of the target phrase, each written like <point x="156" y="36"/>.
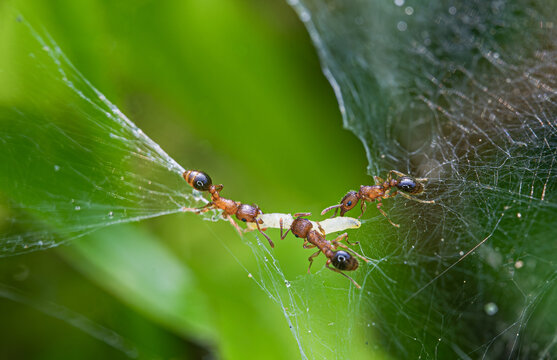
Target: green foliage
<point x="232" y="88"/>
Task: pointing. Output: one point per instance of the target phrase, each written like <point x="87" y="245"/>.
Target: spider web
<point x="77" y="168"/>
<point x="461" y="94"/>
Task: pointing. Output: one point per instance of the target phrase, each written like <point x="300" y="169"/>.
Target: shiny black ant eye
<point x="349" y="203"/>
<point x="244" y="219"/>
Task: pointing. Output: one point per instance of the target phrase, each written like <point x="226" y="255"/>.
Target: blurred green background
<point x="231" y="87"/>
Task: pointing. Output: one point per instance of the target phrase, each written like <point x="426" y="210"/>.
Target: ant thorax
<point x="372" y="192"/>
<point x="329" y="225"/>
<point x="230" y="207"/>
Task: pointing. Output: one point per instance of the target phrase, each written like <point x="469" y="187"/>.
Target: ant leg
<point x="343" y="274"/>
<point x="336" y="207"/>
<point x="202" y="209"/>
<point x="266" y="236"/>
<point x="379" y="204"/>
<point x="229" y="218"/>
<point x="340" y="238"/>
<point x="378" y="180"/>
<point x="397" y="173"/>
<point x="311" y="260"/>
<point x="307" y="245"/>
<point x="286" y="233"/>
<point x="321" y="229"/>
<point x="416" y="199"/>
<point x="345" y="238"/>
<point x="388" y="194"/>
<point x="363" y="207"/>
<point x="297" y="215"/>
<point x="352" y="251"/>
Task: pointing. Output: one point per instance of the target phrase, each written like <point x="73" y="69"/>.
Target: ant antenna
<point x="331" y="208"/>
<point x="343" y="274"/>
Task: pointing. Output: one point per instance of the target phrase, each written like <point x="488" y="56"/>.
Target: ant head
<point x="198" y="180"/>
<point x="342" y="260"/>
<point x="247" y="213"/>
<point x="348" y="202"/>
<point x="301" y="227"/>
<point x="409" y="185"/>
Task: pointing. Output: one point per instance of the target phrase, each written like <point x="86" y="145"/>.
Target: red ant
<point x="403" y="185"/>
<point x="341" y="260"/>
<point x="247" y="213"/>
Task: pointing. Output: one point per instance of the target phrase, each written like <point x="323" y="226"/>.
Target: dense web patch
<point x="72" y="162"/>
<point x="462" y="93"/>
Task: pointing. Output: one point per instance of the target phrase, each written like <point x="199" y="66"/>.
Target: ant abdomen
<point x="409" y="185"/>
<point x="342" y="260"/>
<point x="198" y="180"/>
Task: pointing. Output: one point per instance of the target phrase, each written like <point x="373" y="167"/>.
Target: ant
<point x="341" y="260"/>
<point x="247" y="213"/>
<point x="402" y="184"/>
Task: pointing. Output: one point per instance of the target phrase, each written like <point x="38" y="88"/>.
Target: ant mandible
<point x="247" y="213"/>
<point x="402" y="184"/>
<point x="341" y="260"/>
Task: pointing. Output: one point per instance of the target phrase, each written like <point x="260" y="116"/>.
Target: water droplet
<point x="77" y="208"/>
<point x="56" y="168"/>
<point x="491" y="308"/>
<point x="409" y="10"/>
<point x="518" y="215"/>
<point x="402" y="26"/>
<point x="250" y="275"/>
<point x="110" y="214"/>
<point x="399" y="2"/>
<point x="452" y="10"/>
<point x="286" y="282"/>
<point x="461" y="253"/>
<point x="519" y="264"/>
